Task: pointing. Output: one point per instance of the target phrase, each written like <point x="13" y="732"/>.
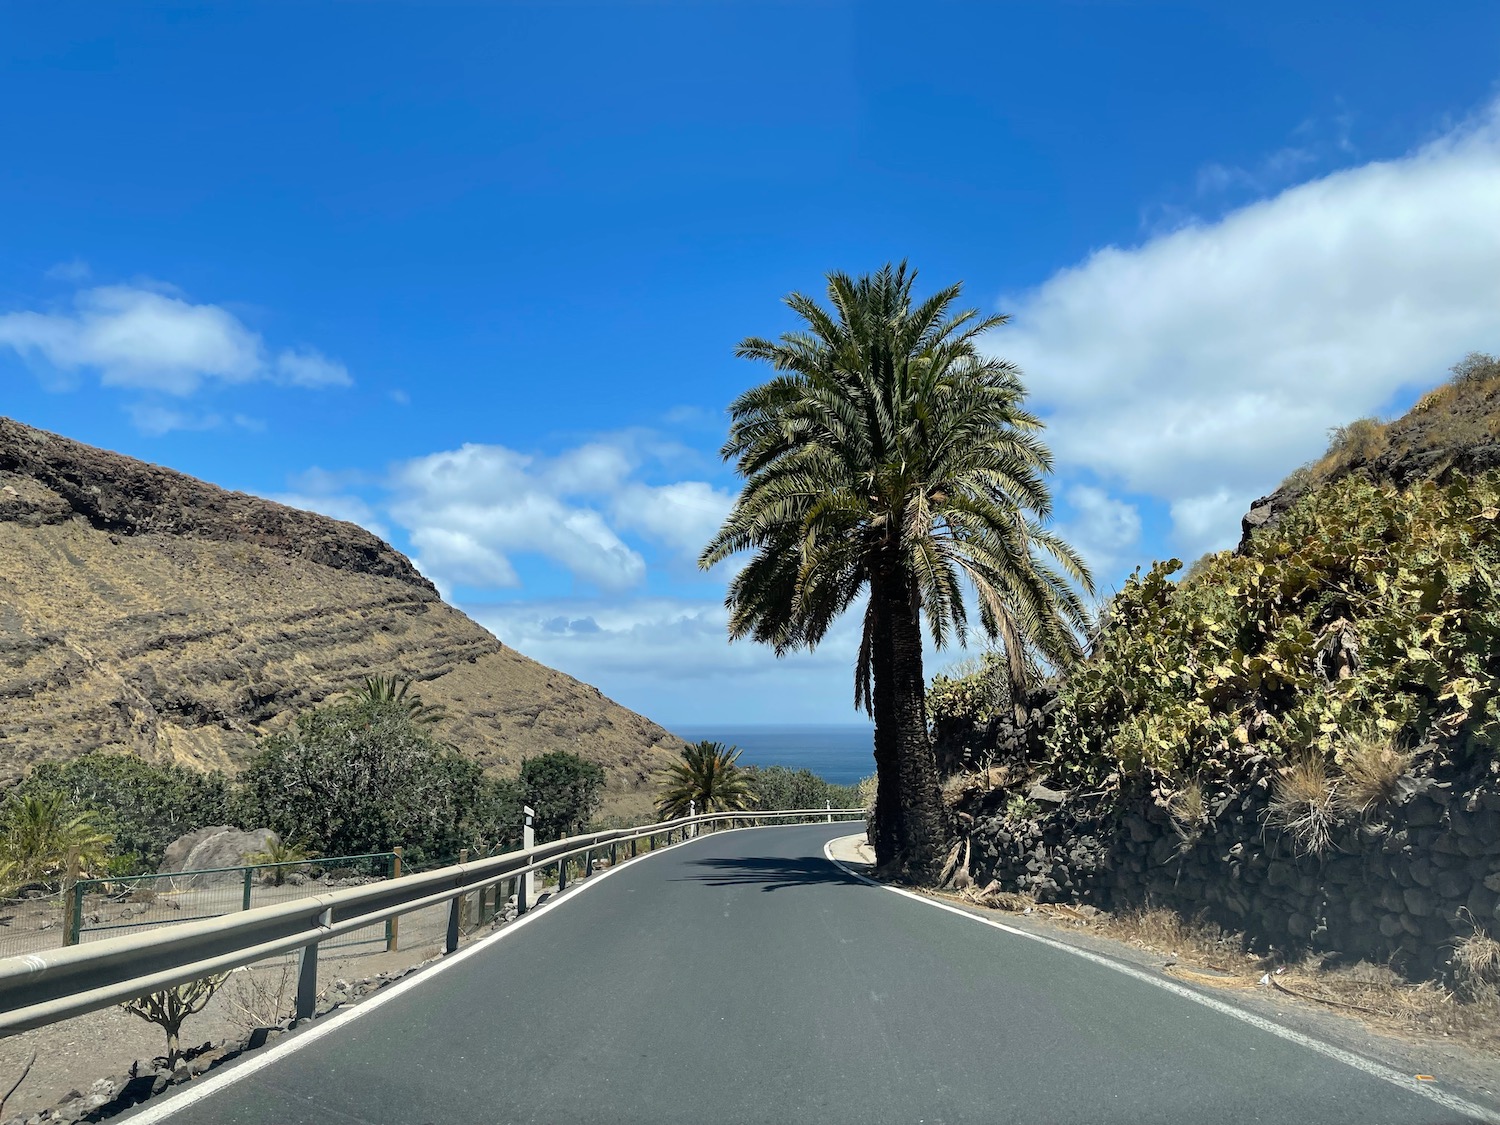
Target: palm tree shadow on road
<point x="771" y="873"/>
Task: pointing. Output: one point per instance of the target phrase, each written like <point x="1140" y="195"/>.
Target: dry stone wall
<point x="1400" y="883"/>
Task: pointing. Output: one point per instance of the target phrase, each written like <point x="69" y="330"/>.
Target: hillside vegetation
<point x="1355" y="624"/>
<point x="1366" y="620"/>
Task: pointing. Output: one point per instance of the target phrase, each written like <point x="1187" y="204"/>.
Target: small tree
<point x="359" y="777"/>
<point x="277" y="853"/>
<point x="40" y="831"/>
<point x="564" y="789"/>
<point x="708" y="779"/>
<point x="396" y="691"/>
<point x="170" y="1008"/>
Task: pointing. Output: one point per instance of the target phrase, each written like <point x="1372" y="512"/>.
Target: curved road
<point x="745" y="978"/>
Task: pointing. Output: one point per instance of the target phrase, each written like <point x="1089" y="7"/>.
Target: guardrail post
<point x="588" y="863"/>
<point x="562" y="875"/>
<point x="633" y="843"/>
<point x="307" y="973"/>
<point x="829" y="805"/>
<point x="522" y="905"/>
<point x="393" y="925"/>
<point x="612" y="854"/>
<point x="463" y="899"/>
<point x="528" y="841"/>
<point x="454" y="908"/>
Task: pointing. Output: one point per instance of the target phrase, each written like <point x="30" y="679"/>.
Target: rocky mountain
<point x="1453" y="429"/>
<point x="142" y="610"/>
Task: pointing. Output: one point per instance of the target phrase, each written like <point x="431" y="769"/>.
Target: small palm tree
<point x="889" y="460"/>
<point x="278" y="852"/>
<point x="41" y="831"/>
<point x="707" y="779"/>
<point x="396" y="690"/>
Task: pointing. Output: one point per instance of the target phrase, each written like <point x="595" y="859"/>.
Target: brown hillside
<point x="143" y="610"/>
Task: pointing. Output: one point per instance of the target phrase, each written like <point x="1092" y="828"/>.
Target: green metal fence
<point x="99" y="908"/>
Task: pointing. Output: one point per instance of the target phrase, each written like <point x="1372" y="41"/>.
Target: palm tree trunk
<point x="909" y="822"/>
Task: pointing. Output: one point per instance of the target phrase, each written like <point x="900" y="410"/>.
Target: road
<point x="745" y="978"/>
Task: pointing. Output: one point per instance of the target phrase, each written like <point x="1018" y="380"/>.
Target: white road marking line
<point x="166" y="1105"/>
<point x="1349" y="1058"/>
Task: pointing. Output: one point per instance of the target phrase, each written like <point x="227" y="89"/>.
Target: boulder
<point x="210" y="849"/>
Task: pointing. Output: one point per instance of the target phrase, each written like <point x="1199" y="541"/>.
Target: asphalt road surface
<point x="744" y="978"/>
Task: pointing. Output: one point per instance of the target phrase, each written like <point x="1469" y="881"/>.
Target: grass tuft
<point x="1189" y="811"/>
<point x="1476" y="967"/>
<point x="1304" y="802"/>
<point x="1371" y="766"/>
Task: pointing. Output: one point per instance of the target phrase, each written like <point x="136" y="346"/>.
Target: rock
<point x="210" y="849"/>
<point x="1419" y="901"/>
<point x="1040" y="792"/>
<point x="1452" y="885"/>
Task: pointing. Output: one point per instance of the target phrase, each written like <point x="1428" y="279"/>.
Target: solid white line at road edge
<point x="215" y="1081"/>
<point x="1375" y="1069"/>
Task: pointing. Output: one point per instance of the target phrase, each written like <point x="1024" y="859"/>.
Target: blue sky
<point x="472" y="274"/>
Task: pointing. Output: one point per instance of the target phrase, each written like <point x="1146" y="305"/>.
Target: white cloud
<point x="75" y="271"/>
<point x="308" y="367"/>
<point x="150" y="338"/>
<point x="469" y="509"/>
<point x="668" y="658"/>
<point x="1203" y="365"/>
<point x="157" y="420"/>
<point x="684" y="516"/>
<point x="1102" y="528"/>
<point x="1209" y="522"/>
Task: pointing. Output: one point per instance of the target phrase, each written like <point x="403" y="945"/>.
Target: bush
<point x="142" y="805"/>
<point x="565" y="790"/>
<point x="362" y="777"/>
<point x="781" y="787"/>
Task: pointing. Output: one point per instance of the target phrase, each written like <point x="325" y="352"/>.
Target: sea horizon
<point x="841" y="753"/>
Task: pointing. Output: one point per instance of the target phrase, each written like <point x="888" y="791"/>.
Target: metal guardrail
<point x="41" y="988"/>
<point x="153" y="900"/>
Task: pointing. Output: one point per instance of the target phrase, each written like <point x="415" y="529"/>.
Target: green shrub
<point x="1367" y="609"/>
<point x="360" y="777"/>
<point x="564" y="789"/>
<point x="781" y="787"/>
<point x="144" y="806"/>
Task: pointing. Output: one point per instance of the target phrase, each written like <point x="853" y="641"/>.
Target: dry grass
<point x="1304" y="801"/>
<point x="1166" y="931"/>
<point x="1371" y="765"/>
<point x="261" y="997"/>
<point x="1476" y="967"/>
<point x="1360" y="442"/>
<point x="1206" y="954"/>
<point x="956" y="787"/>
<point x="1188" y="810"/>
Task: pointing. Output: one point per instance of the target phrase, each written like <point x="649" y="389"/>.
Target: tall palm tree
<point x="397" y="690"/>
<point x="888" y="458"/>
<point x="708" y="778"/>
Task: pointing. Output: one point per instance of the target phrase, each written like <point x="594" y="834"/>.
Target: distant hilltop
<point x="143" y="610"/>
<point x="1452" y="429"/>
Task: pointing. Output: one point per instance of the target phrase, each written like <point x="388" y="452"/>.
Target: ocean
<point x="841" y="754"/>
